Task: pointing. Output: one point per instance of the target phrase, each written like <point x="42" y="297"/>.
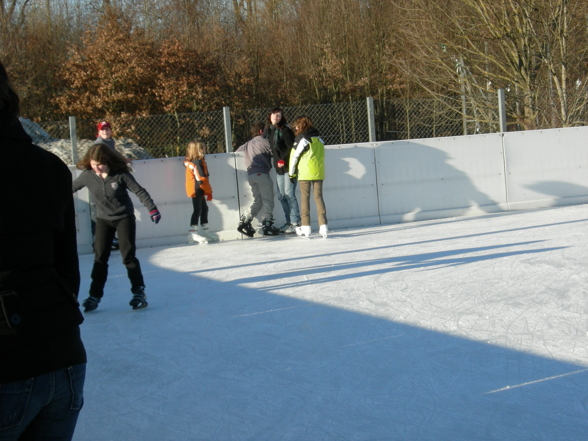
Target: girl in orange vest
<point x="198" y="188"/>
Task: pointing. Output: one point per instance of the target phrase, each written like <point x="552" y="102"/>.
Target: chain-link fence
<point x="339" y="123"/>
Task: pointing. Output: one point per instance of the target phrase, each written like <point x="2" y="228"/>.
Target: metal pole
<point x="74" y="139"/>
<point x="371" y="119"/>
<point x="228" y="133"/>
<point x="463" y="110"/>
<point x="502" y="110"/>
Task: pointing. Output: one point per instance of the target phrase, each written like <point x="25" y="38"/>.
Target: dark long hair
<point x="103" y="154"/>
<point x="282" y="121"/>
<point x="9" y="101"/>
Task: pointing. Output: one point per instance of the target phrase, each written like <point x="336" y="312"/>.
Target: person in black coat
<point x="281" y="139"/>
<point x="42" y="357"/>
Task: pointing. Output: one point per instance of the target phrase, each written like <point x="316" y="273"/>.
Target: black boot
<point x="245" y="227"/>
<point x="90" y="304"/>
<point x="139" y="300"/>
<point x="269" y="229"/>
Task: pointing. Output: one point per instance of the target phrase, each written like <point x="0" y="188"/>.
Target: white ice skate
<point x="195" y="237"/>
<point x="324" y="231"/>
<point x="205" y="232"/>
<point x="303" y="231"/>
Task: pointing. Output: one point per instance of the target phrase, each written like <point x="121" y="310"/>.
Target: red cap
<point x="103" y="125"/>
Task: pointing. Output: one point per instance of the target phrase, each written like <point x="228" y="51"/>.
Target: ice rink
<point x="458" y="329"/>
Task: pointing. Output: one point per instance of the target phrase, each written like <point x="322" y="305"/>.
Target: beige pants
<point x="318" y="200"/>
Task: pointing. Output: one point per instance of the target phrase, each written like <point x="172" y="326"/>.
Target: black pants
<point x="125" y="229"/>
<point x="200" y="212"/>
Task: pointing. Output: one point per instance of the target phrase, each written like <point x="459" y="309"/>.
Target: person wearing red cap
<point x="105" y="134"/>
<point x="105" y="138"/>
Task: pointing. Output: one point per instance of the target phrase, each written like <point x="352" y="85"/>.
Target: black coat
<point x="282" y="148"/>
<point x="39" y="272"/>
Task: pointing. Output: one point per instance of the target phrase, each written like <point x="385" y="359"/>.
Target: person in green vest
<point x="307" y="165"/>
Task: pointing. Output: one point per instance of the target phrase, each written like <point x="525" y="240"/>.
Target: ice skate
<point x="303" y="231"/>
<point x="211" y="237"/>
<point x="269" y="229"/>
<point x="195" y="237"/>
<point x="90" y="304"/>
<point x="245" y="226"/>
<point x="324" y="231"/>
<point x="289" y="228"/>
<point x="114" y="245"/>
<point x="139" y="300"/>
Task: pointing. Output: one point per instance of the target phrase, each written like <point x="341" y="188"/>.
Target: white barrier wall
<point x="545" y="168"/>
<point x="440" y="177"/>
<point x="379" y="183"/>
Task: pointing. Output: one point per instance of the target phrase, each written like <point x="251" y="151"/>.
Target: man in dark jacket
<point x="42" y="357"/>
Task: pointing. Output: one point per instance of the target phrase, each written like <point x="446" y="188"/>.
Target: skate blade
<point x="141" y="306"/>
<point x="245" y="232"/>
<point x="196" y="238"/>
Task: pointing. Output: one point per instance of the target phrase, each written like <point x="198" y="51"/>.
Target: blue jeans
<point x="42" y="408"/>
<point x="287" y="197"/>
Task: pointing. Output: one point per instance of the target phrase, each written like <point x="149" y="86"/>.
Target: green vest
<point x="311" y="165"/>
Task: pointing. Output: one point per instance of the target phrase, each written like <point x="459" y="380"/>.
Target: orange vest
<point x="194" y="177"/>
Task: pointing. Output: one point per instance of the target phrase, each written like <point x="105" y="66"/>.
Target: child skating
<point x="198" y="188"/>
<point x="108" y="178"/>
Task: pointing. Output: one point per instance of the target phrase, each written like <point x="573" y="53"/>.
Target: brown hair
<point x="256" y="128"/>
<point x="195" y="150"/>
<point x="301" y="124"/>
<point x="103" y="154"/>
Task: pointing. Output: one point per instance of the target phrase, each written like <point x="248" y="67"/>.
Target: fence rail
<point x="339" y="123"/>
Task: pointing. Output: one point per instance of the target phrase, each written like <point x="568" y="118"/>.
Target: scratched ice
<point x="456" y="329"/>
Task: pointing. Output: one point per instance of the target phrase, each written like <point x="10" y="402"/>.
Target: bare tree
<point x="472" y="47"/>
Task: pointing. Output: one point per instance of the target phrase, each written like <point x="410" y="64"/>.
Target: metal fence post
<point x="74" y="139"/>
<point x="371" y="119"/>
<point x="502" y="110"/>
<point x="228" y="135"/>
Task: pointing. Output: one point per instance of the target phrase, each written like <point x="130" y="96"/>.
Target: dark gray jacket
<point x="258" y="155"/>
<point x="111" y="194"/>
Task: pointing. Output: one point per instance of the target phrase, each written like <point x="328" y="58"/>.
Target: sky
<point x="471" y="328"/>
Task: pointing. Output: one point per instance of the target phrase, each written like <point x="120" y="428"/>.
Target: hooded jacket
<point x="39" y="272"/>
<point x="307" y="160"/>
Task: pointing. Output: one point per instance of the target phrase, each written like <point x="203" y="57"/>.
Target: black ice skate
<point x="90" y="304"/>
<point x="245" y="227"/>
<point x="139" y="300"/>
<point x="269" y="229"/>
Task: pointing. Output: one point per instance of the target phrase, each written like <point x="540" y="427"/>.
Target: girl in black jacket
<point x="108" y="178"/>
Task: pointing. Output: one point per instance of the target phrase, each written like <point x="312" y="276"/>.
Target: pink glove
<point x="281" y="163"/>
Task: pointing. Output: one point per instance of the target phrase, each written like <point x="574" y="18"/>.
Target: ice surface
<point x="458" y="329"/>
